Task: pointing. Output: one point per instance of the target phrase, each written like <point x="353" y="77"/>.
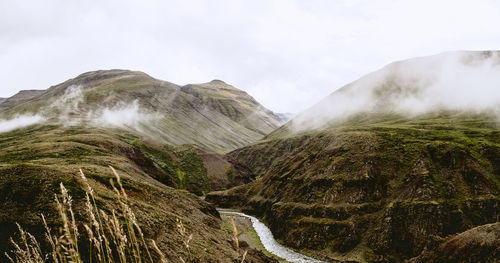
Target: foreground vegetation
<point x="115" y="237"/>
<point x="35" y="160"/>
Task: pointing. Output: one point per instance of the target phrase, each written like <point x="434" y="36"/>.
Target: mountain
<point x="21" y="97"/>
<point x="192" y="121"/>
<point x="451" y="81"/>
<point x="285" y="117"/>
<point x="228" y="117"/>
<point x="386" y="167"/>
<point x="160" y="137"/>
<point x="235" y="104"/>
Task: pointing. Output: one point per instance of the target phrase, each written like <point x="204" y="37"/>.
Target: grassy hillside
<point x="36" y="159"/>
<point x="373" y="192"/>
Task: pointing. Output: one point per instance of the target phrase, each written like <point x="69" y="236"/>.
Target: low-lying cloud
<point x="457" y="81"/>
<point x="19" y="121"/>
<point x="121" y="115"/>
<point x="70" y="109"/>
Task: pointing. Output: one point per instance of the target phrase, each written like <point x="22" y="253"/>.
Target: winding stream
<point x="267" y="239"/>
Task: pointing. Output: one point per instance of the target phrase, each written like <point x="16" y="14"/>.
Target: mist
<point x="70" y="109"/>
<point x="456" y="81"/>
<point x="19" y="121"/>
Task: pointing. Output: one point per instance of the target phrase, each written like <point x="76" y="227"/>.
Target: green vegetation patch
<point x="182" y="163"/>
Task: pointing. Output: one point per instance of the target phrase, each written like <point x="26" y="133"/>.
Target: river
<point x="268" y="241"/>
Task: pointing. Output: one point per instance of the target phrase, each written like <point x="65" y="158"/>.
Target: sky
<point x="287" y="54"/>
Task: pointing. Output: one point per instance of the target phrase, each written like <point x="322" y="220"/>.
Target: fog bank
<point x="19" y="121"/>
<point x="457" y="81"/>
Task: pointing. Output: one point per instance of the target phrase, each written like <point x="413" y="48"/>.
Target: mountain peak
<point x="106" y="74"/>
<point x="218" y="81"/>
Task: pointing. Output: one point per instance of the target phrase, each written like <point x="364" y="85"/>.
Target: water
<point x="267" y="239"/>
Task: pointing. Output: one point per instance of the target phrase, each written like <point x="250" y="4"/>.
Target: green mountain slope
<point x="228" y="118"/>
<point x="378" y="182"/>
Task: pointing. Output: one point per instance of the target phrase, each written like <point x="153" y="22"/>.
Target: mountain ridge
<point x="230" y="117"/>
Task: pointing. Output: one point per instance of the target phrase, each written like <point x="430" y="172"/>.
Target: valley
<point x="385" y="169"/>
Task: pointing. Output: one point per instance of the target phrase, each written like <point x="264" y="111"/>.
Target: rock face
<point x="479" y="244"/>
<point x="376" y="169"/>
<point x="213" y="115"/>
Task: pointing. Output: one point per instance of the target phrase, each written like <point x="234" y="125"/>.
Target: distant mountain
<point x="285" y="117"/>
<point x="235" y="104"/>
<point x="213" y="115"/>
<point x="385" y="168"/>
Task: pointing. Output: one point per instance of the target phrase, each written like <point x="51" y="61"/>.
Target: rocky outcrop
<point x="479" y="244"/>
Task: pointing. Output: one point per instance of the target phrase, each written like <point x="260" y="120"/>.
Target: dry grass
<point x="114" y="237"/>
<point x="236" y="241"/>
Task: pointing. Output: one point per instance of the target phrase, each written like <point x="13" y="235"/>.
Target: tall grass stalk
<point x="236" y="233"/>
<point x="110" y="239"/>
<point x="113" y="237"/>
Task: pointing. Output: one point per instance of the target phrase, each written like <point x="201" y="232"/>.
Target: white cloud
<point x="123" y="115"/>
<point x="19" y="122"/>
<point x="288" y="54"/>
<point x="457" y="81"/>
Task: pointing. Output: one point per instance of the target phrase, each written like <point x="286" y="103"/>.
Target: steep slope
<point x="34" y="160"/>
<point x="373" y="178"/>
<point x="235" y="104"/>
<point x="229" y="118"/>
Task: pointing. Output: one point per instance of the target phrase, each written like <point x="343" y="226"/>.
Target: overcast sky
<point x="287" y="54"/>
